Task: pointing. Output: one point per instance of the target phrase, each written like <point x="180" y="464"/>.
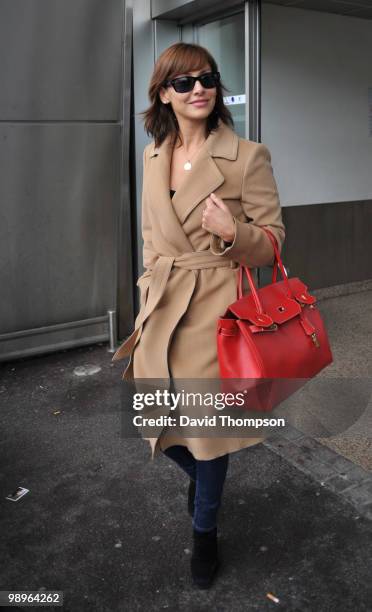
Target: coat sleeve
<point x="251" y="246"/>
<point x="149" y="254"/>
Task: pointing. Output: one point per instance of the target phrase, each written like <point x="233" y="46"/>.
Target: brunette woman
<point x="207" y="193"/>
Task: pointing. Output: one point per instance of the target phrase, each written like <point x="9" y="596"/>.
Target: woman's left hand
<point x="218" y="219"/>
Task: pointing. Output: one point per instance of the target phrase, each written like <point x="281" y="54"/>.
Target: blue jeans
<point x="209" y="477"/>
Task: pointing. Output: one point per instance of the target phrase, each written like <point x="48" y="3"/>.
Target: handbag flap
<point x="277" y="306"/>
<point x="299" y="290"/>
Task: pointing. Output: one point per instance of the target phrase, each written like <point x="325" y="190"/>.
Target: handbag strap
<point x="278" y="263"/>
<point x="306" y="324"/>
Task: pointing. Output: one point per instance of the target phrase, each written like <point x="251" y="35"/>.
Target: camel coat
<point x="190" y="274"/>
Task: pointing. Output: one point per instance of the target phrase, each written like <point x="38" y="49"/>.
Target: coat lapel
<point x="157" y="188"/>
<point x="203" y="178"/>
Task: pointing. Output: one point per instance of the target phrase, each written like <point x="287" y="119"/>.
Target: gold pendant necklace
<point x="188" y="165"/>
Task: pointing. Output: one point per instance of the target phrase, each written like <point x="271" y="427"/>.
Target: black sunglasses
<point x="184" y="84"/>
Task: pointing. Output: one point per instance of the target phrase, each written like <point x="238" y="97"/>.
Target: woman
<point x="206" y="192"/>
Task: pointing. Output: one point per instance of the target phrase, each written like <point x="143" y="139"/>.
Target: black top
<point x="172" y="192"/>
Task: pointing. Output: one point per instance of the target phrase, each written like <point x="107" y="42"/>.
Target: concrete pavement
<point x="110" y="528"/>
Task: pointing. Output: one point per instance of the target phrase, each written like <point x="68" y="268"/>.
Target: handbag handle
<point x="278" y="263"/>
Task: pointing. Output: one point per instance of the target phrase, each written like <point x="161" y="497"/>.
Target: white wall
<point x="316" y="71"/>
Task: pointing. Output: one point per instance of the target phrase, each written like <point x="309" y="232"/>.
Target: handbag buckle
<point x="272" y="327"/>
<point x="255" y="328"/>
<point x="315" y="340"/>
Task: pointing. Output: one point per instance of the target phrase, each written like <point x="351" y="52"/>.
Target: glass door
<point x="225" y="39"/>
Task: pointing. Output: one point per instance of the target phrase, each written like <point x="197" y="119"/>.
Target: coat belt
<point x="161" y="269"/>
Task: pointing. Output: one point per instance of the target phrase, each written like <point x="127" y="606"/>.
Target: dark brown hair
<point x="159" y="118"/>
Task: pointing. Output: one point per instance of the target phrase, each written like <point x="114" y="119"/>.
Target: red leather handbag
<point x="272" y="340"/>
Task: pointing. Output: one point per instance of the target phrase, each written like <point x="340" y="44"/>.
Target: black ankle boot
<point x="191" y="497"/>
<point x="204" y="559"/>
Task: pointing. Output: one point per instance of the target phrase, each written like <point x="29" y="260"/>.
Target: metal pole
<point x="252" y="20"/>
<point x="112" y="330"/>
